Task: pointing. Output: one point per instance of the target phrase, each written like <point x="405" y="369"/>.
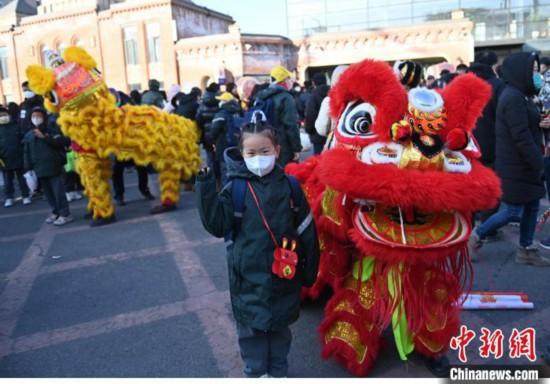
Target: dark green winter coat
<point x="45" y="156"/>
<point x="153" y="95"/>
<point x="221" y="124"/>
<point x="286" y="121"/>
<point x="259" y="298"/>
<point x="11" y="146"/>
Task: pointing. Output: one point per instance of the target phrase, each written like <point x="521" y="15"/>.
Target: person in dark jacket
<point x="286" y="116"/>
<point x="485" y="126"/>
<point x="136" y="97"/>
<point x="232" y="89"/>
<point x="119" y="166"/>
<point x="264" y="305"/>
<point x="153" y="96"/>
<point x="14" y="112"/>
<point x="45" y="154"/>
<point x="518" y="157"/>
<point x="221" y="126"/>
<point x="483" y="67"/>
<point x="320" y="91"/>
<point x="301" y="96"/>
<point x="11" y="159"/>
<point x="256" y="90"/>
<point x="187" y="105"/>
<point x="73" y="185"/>
<point x="205" y="114"/>
<point x="30" y="102"/>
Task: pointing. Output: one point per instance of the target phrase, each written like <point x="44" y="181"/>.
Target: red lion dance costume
<point x="393" y="200"/>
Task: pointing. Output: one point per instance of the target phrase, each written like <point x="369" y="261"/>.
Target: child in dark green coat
<point x="260" y="210"/>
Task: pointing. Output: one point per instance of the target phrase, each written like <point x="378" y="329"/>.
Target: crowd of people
<point x="508" y="135"/>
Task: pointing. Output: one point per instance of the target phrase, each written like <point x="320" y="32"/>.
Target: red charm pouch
<point x="285" y="257"/>
<point x="285" y="260"/>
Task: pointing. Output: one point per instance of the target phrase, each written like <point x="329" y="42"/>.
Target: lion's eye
<point x="360" y="122"/>
<point x="357" y="120"/>
<point x="52" y="97"/>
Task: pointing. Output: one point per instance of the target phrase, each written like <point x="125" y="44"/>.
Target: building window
<point x="131" y="46"/>
<point x="135" y="87"/>
<point x="153" y="42"/>
<point x="4" y="72"/>
<point x="44" y="54"/>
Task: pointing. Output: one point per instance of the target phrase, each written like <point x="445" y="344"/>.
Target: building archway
<point x="42" y="50"/>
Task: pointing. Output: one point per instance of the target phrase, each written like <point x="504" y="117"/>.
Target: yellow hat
<point x="280" y="73"/>
<point x="226" y="96"/>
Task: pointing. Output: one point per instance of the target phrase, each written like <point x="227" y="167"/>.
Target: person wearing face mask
<point x="259" y="211"/>
<point x="285" y="115"/>
<point x="11" y="159"/>
<point x="30" y="102"/>
<point x="45" y="154"/>
<point x="518" y="157"/>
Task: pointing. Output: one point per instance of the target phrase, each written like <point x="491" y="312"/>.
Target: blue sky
<point x="253" y="16"/>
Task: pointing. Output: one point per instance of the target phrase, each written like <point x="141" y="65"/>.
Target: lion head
<point x="69" y="82"/>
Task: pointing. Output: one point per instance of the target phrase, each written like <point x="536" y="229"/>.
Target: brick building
<point x="179" y="42"/>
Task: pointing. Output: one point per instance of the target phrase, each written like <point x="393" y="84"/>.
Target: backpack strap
<point x="296" y="194"/>
<point x="297" y="200"/>
<point x="238" y="193"/>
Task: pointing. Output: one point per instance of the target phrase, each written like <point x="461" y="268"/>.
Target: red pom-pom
<point x="457" y="139"/>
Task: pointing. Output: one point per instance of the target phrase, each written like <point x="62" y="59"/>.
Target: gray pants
<point x="9" y="187"/>
<point x="54" y="189"/>
<point x="264" y="351"/>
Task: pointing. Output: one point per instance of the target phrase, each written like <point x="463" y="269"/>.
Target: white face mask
<point x="37" y="121"/>
<point x="4" y="119"/>
<point x="28" y="94"/>
<point x="260" y="165"/>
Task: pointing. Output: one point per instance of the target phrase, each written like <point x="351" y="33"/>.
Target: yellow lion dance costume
<point x="89" y="116"/>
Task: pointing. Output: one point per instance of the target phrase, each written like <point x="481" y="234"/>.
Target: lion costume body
<point x="89" y="116"/>
<point x="393" y="201"/>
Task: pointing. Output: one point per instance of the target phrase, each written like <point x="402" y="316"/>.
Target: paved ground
<point x="148" y="297"/>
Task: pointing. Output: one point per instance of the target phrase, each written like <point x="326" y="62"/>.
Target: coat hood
<point x="273" y="89"/>
<point x="517" y="71"/>
<point x="235" y="164"/>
